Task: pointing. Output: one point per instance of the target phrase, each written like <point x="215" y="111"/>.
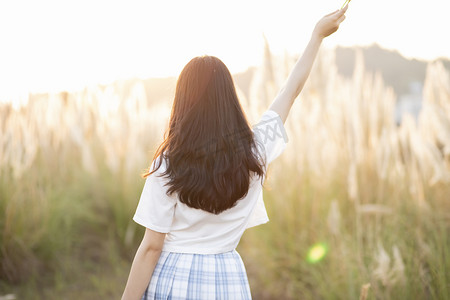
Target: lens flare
<point x="317" y="252"/>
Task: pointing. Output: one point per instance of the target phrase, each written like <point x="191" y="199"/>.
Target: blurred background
<point x="359" y="202"/>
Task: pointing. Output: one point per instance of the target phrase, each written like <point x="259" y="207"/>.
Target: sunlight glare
<point x="67" y="45"/>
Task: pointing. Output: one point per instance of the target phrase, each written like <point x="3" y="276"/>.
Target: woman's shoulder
<point x="160" y="163"/>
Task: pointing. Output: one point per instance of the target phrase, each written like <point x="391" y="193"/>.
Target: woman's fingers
<point x="337" y="10"/>
<point x="340" y="15"/>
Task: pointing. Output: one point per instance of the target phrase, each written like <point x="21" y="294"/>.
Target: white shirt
<point x="191" y="230"/>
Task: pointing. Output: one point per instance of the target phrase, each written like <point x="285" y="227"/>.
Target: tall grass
<point x="376" y="194"/>
<point x="70" y="166"/>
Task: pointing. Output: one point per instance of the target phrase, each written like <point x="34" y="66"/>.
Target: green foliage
<point x="64" y="229"/>
<point x="299" y="212"/>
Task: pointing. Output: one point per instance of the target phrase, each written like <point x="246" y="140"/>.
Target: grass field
<point x="372" y="194"/>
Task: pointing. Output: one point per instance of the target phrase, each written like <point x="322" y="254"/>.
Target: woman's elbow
<point x="153" y="241"/>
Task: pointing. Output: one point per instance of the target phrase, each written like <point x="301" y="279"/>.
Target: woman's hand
<point x="330" y="23"/>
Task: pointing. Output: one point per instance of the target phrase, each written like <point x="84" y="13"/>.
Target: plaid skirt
<point x="180" y="276"/>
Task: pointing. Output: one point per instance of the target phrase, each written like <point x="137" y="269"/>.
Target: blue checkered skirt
<point x="198" y="276"/>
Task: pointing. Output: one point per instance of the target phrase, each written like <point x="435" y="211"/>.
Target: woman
<point x="204" y="187"/>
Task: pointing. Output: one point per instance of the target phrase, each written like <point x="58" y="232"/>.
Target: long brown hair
<point x="210" y="149"/>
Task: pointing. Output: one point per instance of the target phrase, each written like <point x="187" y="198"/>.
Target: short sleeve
<point x="271" y="134"/>
<point x="155" y="209"/>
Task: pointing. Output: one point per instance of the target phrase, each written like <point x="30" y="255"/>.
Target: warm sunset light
<point x="205" y="149"/>
<point x="65" y="45"/>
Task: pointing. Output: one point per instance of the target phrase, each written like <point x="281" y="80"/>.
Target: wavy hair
<point x="210" y="150"/>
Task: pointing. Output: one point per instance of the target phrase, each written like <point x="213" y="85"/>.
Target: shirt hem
<point x="168" y="248"/>
<point x="257" y="223"/>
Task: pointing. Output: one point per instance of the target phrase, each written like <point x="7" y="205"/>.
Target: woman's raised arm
<point x="294" y="84"/>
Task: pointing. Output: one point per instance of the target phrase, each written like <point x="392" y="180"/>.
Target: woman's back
<point x="192" y="230"/>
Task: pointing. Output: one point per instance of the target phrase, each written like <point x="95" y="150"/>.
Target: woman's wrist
<point x="317" y="36"/>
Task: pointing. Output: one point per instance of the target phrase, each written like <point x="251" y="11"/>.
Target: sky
<point x="49" y="46"/>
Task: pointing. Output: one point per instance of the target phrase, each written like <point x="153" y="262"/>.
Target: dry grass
<point x="375" y="193"/>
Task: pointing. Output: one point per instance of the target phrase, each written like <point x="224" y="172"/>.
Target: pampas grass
<point x="350" y="179"/>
